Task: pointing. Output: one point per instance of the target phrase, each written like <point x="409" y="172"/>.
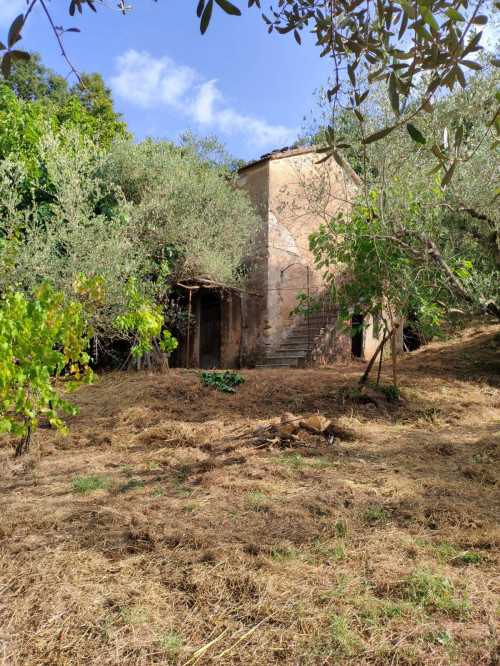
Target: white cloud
<point x="152" y="83"/>
<point x="148" y="82"/>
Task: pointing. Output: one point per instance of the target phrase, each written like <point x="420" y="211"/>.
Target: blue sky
<point x="250" y="88"/>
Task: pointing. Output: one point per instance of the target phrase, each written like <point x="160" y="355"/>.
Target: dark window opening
<point x="413" y="337"/>
<point x="357" y="337"/>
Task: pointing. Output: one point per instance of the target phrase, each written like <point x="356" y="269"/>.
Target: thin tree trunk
<point x="380" y="361"/>
<point x="161" y="356"/>
<point x="373" y="359"/>
<point x="24" y="444"/>
<point x="393" y="349"/>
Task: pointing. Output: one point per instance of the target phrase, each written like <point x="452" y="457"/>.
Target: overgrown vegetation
<point x="222" y="381"/>
<point x="412" y="248"/>
<point x="83" y="207"/>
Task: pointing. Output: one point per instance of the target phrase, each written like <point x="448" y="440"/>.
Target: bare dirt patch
<point x="163" y="530"/>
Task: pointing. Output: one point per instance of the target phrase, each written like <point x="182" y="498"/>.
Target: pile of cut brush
<point x="287" y="428"/>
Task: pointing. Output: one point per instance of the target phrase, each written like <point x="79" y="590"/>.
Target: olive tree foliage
<point x="44" y="340"/>
<point x="183" y="210"/>
<point x="410" y="243"/>
<point x="394" y="41"/>
<point x="68" y="228"/>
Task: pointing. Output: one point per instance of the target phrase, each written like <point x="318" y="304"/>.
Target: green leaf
<point x="495" y="62"/>
<point x="5" y="426"/>
<point x="351" y="73"/>
<point x="393" y="93"/>
<point x="473" y="44"/>
<point x="415" y="134"/>
<point x="448" y="175"/>
<point x="480" y="20"/>
<point x="409" y="10"/>
<point x="338" y="158"/>
<point x="453" y="14"/>
<point x="471" y="64"/>
<point x="434" y="170"/>
<point x="228" y="7"/>
<point x="426" y="14"/>
<point x="378" y="135"/>
<point x="438" y="153"/>
<point x="15" y="29"/>
<point x="423" y="32"/>
<point x="20" y="55"/>
<point x="206" y="16"/>
<point x="433" y="85"/>
<point x="6" y="65"/>
<point x="460" y="76"/>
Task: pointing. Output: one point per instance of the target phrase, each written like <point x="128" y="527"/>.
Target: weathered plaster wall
<point x="255" y="180"/>
<point x="302" y="195"/>
<point x="372" y="339"/>
<point x="333" y="346"/>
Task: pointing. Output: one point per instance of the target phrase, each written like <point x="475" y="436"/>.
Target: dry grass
<point x="159" y="532"/>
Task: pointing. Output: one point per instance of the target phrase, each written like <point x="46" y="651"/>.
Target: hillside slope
<point x="172" y="526"/>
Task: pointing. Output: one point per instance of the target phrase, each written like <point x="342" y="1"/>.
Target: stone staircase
<point x="296" y="349"/>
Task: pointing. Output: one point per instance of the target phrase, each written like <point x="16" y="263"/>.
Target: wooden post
<point x="308" y="312"/>
<point x="243" y="329"/>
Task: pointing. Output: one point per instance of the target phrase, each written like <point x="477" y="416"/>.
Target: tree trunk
<point x="373" y="359"/>
<point x="24" y="444"/>
<point x="393" y="348"/>
<point x="380" y="361"/>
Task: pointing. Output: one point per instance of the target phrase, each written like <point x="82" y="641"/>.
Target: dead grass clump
<point x="172" y="434"/>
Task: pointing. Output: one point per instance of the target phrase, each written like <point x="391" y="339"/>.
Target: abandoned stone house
<point x="292" y="194"/>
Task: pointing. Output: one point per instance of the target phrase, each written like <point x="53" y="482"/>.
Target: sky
<point x="249" y="88"/>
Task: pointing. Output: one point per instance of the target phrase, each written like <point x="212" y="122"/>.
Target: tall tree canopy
<point x="413" y="242"/>
<point x="82" y="197"/>
<point x="399" y="43"/>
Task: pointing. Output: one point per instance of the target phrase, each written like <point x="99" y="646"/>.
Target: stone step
<point x="317" y="317"/>
<point x="282" y="366"/>
<point x="289" y="353"/>
<point x="320" y="321"/>
<point x="298" y="340"/>
<point x="281" y="363"/>
<point x="296" y="346"/>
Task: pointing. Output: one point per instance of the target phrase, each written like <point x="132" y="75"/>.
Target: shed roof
<point x="292" y="151"/>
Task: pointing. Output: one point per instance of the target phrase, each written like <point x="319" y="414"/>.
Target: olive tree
<point x="184" y="211"/>
<point x="397" y="43"/>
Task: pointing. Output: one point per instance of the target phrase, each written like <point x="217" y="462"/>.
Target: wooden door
<point x="210" y="331"/>
<point x="357" y="338"/>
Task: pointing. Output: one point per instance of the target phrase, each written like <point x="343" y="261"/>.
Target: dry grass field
<point x="164" y="530"/>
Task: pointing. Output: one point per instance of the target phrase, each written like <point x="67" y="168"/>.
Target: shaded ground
<point x="160" y="531"/>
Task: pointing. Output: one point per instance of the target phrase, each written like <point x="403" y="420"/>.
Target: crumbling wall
<point x="302" y="195"/>
<point x="254" y="179"/>
<point x="332" y="346"/>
